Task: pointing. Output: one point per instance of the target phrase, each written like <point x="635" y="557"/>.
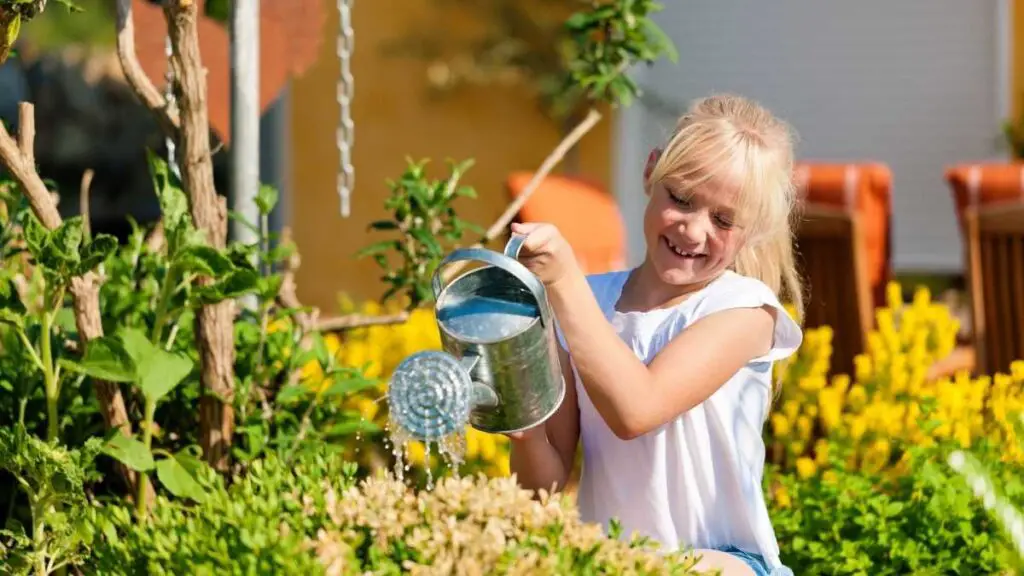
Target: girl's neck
<point x="644" y="290"/>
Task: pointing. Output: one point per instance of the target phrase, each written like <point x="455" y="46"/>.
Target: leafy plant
<point x="423" y="216"/>
<point x="52" y="480"/>
<point x="854" y="522"/>
<point x="57" y="257"/>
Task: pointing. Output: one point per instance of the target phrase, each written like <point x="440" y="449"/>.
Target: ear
<point x="652" y="160"/>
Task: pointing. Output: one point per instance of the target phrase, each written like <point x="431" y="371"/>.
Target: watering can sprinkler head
<point x="432" y="394"/>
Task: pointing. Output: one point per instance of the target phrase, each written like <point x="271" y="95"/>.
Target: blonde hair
<point x="731" y="139"/>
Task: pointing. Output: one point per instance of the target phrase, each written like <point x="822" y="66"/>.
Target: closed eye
<point x="682" y="202"/>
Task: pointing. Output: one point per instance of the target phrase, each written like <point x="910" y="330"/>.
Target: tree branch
<point x="214" y="328"/>
<point x="83" y="201"/>
<point x="351" y="321"/>
<point x="19" y="159"/>
<point x="136" y="76"/>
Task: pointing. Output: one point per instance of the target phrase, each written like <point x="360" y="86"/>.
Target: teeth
<point x="680" y="252"/>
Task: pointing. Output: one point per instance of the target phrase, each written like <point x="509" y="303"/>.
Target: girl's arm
<point x="543" y="457"/>
<point x="634" y="398"/>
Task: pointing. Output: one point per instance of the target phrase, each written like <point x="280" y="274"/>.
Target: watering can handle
<point x="508" y="262"/>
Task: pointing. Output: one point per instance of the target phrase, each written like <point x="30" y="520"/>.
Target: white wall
<point x="917" y="84"/>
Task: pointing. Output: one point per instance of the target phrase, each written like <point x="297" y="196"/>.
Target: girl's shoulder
<point x="607" y="286"/>
<point x="732" y="291"/>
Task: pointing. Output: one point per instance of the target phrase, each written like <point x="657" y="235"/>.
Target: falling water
<point x="429" y="402"/>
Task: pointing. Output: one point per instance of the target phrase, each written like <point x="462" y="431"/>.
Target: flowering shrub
<point x="309" y="516"/>
<point x="857" y="477"/>
<point x="477" y="525"/>
<point x="890" y="402"/>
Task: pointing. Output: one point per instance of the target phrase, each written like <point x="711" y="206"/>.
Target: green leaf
<point x="203" y="260"/>
<point x="378" y="247"/>
<point x="292" y="392"/>
<point x="266" y="199"/>
<point x="105" y="359"/>
<point x="102" y="246"/>
<point x="9" y="298"/>
<point x="383" y="225"/>
<point x="348" y="385"/>
<point x="12" y="318"/>
<point x="13" y="28"/>
<point x="237" y="283"/>
<point x="173" y="202"/>
<point x="129" y="451"/>
<point x="35" y="233"/>
<point x="178" y="481"/>
<point x="71" y="6"/>
<point x="351" y="427"/>
<point x="466" y="192"/>
<point x="157" y="370"/>
<point x="270" y="286"/>
<point x="62" y="245"/>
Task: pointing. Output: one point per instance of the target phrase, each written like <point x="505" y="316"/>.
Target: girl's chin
<point x="677" y="274"/>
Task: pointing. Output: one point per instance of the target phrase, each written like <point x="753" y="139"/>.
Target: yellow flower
<point x="782" y="497"/>
<point x="805" y="467"/>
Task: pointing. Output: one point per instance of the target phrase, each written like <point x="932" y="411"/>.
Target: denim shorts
<point x="756" y="562"/>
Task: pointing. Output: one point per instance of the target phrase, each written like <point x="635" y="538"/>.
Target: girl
<point x="672" y="360"/>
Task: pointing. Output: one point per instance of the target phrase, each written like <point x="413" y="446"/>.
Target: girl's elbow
<point x="628" y="428"/>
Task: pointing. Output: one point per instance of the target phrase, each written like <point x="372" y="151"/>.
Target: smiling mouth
<point x="680" y="252"/>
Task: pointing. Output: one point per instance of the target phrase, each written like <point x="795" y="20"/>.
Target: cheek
<point x="729" y="242"/>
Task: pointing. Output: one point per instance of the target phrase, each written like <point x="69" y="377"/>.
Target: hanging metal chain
<point x="169" y="98"/>
<point x="346" y="128"/>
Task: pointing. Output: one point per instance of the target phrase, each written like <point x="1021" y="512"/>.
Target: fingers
<point x="526" y="227"/>
<point x="538" y="234"/>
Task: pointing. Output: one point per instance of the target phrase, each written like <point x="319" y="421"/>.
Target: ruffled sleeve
<point x="747" y="292"/>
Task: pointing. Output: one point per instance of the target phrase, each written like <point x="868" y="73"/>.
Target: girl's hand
<point x="545" y="252"/>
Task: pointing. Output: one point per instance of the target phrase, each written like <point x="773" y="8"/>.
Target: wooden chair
<point x="586" y="215"/>
<point x="864" y="188"/>
<point x="976" y="189"/>
<point x="844" y="250"/>
<point x="995" y="262"/>
<point x="830" y="254"/>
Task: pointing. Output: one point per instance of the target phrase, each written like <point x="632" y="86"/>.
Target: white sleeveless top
<point x="694" y="482"/>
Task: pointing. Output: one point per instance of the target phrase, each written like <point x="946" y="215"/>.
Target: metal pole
<point x="245" y="119"/>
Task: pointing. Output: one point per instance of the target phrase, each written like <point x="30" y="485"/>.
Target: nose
<point x="695" y="227"/>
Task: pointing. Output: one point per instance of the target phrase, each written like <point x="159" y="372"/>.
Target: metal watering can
<point x="499" y="370"/>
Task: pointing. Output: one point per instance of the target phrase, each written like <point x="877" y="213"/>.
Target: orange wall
<point x="500" y="128"/>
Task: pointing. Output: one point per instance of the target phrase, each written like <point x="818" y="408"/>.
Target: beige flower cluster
<point x="474" y="525"/>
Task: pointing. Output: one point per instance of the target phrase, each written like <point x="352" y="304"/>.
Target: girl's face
<point x="692" y="235"/>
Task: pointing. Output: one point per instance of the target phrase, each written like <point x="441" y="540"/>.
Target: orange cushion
<point x="985" y="183"/>
<point x="587" y="216"/>
<point x="864" y="188"/>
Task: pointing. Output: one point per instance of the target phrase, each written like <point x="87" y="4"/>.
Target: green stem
<point x="264" y="243"/>
<point x="147" y="439"/>
<point x="38" y="536"/>
<point x="166" y="293"/>
<point x="49" y="377"/>
<point x="30" y="349"/>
